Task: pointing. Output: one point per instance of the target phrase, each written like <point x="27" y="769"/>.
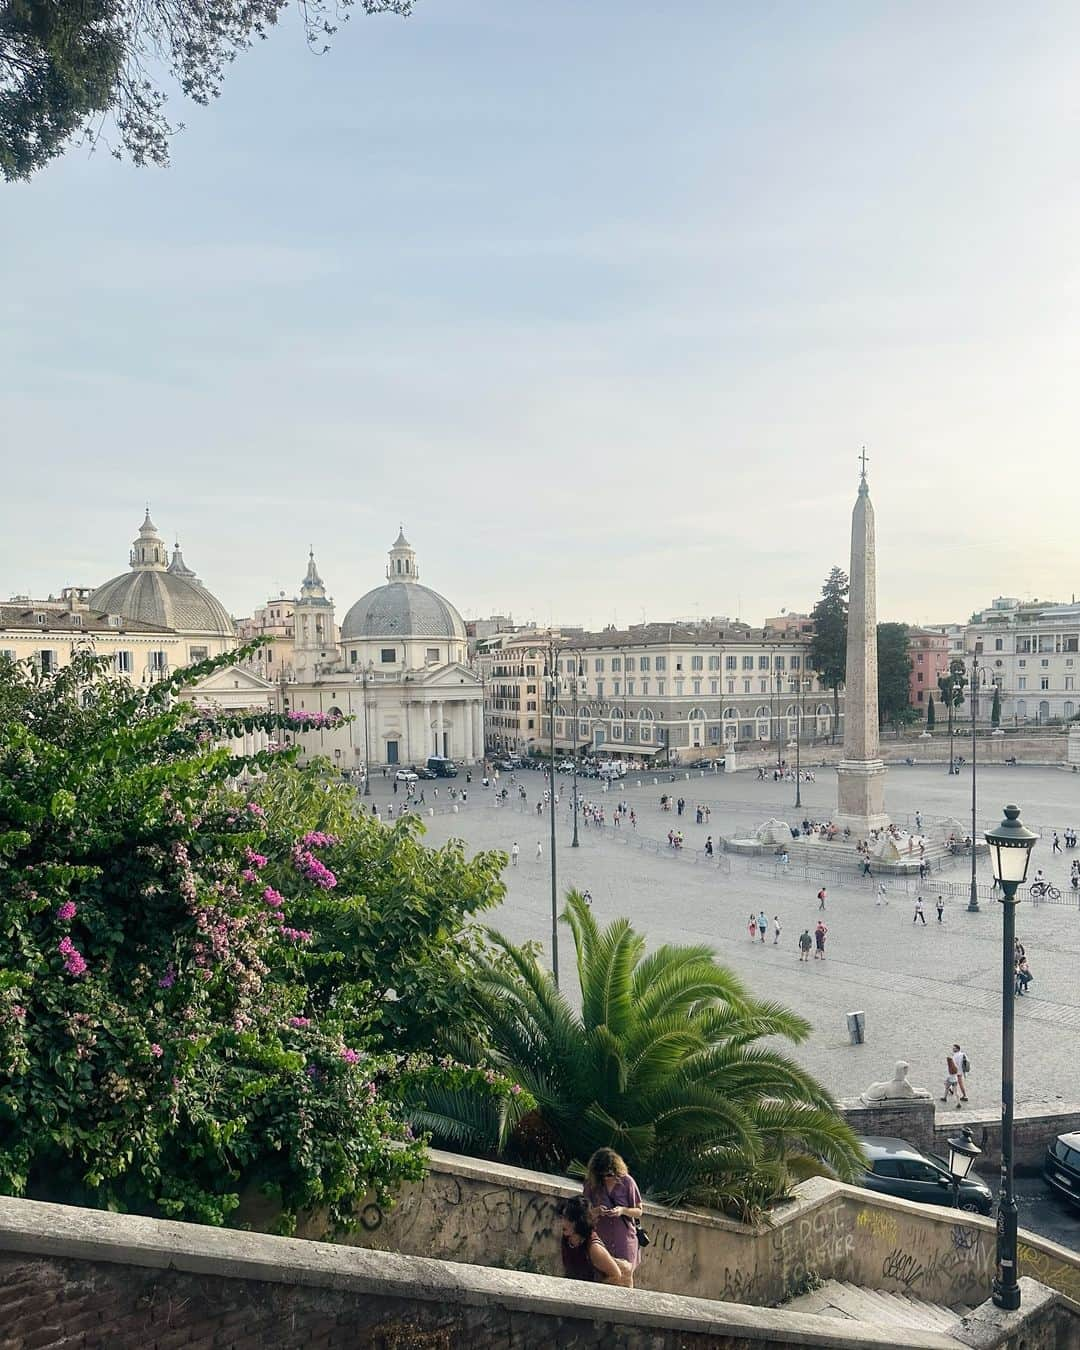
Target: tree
<point x="894" y="674"/>
<point x="951" y="686"/>
<point x="995" y="708"/>
<point x="662" y="1063"/>
<point x="931" y="715"/>
<point x="158" y="1048"/>
<point x="828" y="647"/>
<point x="65" y="67"/>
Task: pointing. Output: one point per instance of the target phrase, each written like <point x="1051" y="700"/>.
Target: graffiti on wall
<point x="814" y="1243"/>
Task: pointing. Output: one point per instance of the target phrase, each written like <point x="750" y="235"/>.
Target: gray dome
<point x="402" y="609"/>
<point x="166" y="600"/>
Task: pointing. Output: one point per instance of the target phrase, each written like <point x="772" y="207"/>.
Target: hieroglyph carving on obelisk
<point x="861" y="773"/>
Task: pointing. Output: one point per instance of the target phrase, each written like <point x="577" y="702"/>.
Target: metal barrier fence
<point x="630" y="838"/>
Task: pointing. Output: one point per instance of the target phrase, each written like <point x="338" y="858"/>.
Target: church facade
<point x="399" y="670"/>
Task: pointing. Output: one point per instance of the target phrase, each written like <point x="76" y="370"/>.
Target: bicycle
<point x="1039" y="890"/>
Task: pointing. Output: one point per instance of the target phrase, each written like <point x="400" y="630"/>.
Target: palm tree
<point x="662" y="1064"/>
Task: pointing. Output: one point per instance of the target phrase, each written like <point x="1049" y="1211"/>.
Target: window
<point x="645" y="663"/>
<point x="697" y="663"/>
<point x="616" y="664"/>
<point x="661" y="663"/>
<point x="198" y="653"/>
<point x="748" y="663"/>
<point x="919" y="678"/>
<point x="530" y="705"/>
<point x="886" y="1167"/>
<point x="914" y="1169"/>
<point x="599" y="688"/>
<point x="731" y="662"/>
<point x="764" y="685"/>
<point x="730" y="686"/>
<point x="780" y="663"/>
<point x="796" y="662"/>
<point x="352" y="656"/>
<point x="660" y="687"/>
<point x="598" y="665"/>
<point x="388" y="655"/>
<point x="679" y="688"/>
<point x="630" y="688"/>
<point x="629" y="664"/>
<point x="678" y="662"/>
<point x="432" y="654"/>
<point x="999" y="645"/>
<point x="1021" y="664"/>
<point x="746" y="686"/>
<point x="48" y="661"/>
<point x="696" y="684"/>
<point x="763" y="663"/>
<point x="1044" y="663"/>
<point x="159" y="660"/>
<point x="644" y="688"/>
<point x="1021" y="683"/>
<point x="919" y="696"/>
<point x="76" y="620"/>
<point x="714" y="663"/>
<point x="125" y="662"/>
<point x="40" y="618"/>
<point x="615" y="688"/>
<point x="920" y="658"/>
<point x="1044" y="681"/>
<point x="1069" y="681"/>
<point x="714" y="686"/>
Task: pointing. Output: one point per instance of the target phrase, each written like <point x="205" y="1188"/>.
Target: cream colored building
<point x="662" y="689"/>
<point x="398" y="668"/>
<point x="151" y="620"/>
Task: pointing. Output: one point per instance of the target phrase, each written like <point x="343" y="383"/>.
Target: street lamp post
<point x="367" y="734"/>
<point x="798" y="745"/>
<point x="578" y="672"/>
<point x="551" y="673"/>
<point x="973" y="898"/>
<point x="962" y="1154"/>
<point x="1010" y="852"/>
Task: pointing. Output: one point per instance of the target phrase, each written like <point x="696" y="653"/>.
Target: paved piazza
<point x="920" y="988"/>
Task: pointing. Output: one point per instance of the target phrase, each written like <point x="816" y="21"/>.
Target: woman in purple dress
<point x="613" y="1192"/>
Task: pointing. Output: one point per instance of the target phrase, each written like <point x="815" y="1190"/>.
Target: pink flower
<point x="299" y="1021"/>
<point x="255" y="859"/>
<point x="66" y="911"/>
<point x="249" y="875"/>
<point x="169" y="978"/>
<point x="350" y="1056"/>
<point x="256" y="810"/>
<point x="316" y="839"/>
<point x="273" y="898"/>
<point x="297" y="934"/>
<point x="156" y="1050"/>
<point x="18" y="1011"/>
<point x="515" y="1089"/>
<point x="74" y="962"/>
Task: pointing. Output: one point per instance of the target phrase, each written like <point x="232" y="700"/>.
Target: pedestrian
<point x="940" y="904"/>
<point x="805" y="943"/>
<point x="753" y="926"/>
<point x="882" y="895"/>
<point x="708" y="847"/>
<point x="587" y="897"/>
<point x="951" y="1080"/>
<point x="514" y="854"/>
<point x="919" y="913"/>
<point x="821" y="898"/>
<point x="866" y="868"/>
<point x="539" y="850"/>
<point x="963" y="1068"/>
<point x="918" y="822"/>
<point x="819" y="940"/>
<point x="584" y="1256"/>
<point x="762" y="924"/>
<point x="1023" y="976"/>
<point x="1057" y="843"/>
<point x="614" y="1194"/>
<point x="776" y="929"/>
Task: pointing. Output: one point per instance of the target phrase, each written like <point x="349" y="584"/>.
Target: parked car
<point x="504" y="765"/>
<point x="422" y="771"/>
<point x="895" y="1167"/>
<point x="1062" y="1167"/>
<point x="405" y="776"/>
<point x="441" y="767"/>
<point x="565" y="766"/>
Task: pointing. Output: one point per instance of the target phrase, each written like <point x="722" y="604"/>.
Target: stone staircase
<point x="838" y="1299"/>
<point x="844" y="857"/>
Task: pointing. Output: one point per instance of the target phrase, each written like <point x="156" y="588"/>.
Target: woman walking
<point x="584" y="1255"/>
<point x="613" y="1192"/>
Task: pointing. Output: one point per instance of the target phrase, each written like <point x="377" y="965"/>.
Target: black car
<point x="422" y="771"/>
<point x="1062" y="1166"/>
<point x="895" y="1167"/>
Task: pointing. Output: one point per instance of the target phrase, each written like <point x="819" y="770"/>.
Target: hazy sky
<point x="600" y="299"/>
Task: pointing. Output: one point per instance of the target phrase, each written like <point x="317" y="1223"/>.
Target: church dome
<point x="402" y="608"/>
<point x="165" y="596"/>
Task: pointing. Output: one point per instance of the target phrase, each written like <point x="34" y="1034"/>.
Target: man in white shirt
<point x="960" y="1059"/>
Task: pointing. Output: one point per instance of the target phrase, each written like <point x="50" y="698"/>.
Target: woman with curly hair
<point x="584" y="1256"/>
<point x="613" y="1192"/>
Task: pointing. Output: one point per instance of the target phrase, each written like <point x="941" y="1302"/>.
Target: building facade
<point x="667" y="690"/>
<point x="398" y="670"/>
<point x="1031" y="652"/>
<point x="929" y="652"/>
<point x="273" y="620"/>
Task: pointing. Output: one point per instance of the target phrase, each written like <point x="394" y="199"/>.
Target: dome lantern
<point x="402" y="564"/>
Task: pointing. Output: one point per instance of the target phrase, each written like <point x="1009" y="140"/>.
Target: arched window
<point x="696" y="715"/>
<point x="560" y="711"/>
<point x="762" y="711"/>
<point x="335" y="712"/>
<point x="1021" y="707"/>
<point x="1069" y="708"/>
<point x="645" y="715"/>
<point x="823" y="710"/>
<point x="730" y="714"/>
<point x="791" y="712"/>
<point x="616" y="714"/>
<point x="1044" y="711"/>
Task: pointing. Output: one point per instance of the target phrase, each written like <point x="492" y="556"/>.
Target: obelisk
<point x="861" y="773"/>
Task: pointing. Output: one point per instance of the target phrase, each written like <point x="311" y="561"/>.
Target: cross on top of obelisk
<point x="863" y="486"/>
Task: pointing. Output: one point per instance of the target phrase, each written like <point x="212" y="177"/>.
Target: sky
<point x="599" y="300"/>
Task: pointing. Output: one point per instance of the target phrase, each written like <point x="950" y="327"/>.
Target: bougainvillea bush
<point x="160" y="1049"/>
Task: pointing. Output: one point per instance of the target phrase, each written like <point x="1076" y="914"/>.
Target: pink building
<point x="929" y="652"/>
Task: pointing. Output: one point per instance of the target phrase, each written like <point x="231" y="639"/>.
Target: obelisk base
<point x="860" y="796"/>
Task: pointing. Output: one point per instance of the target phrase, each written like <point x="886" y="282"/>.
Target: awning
<point x="620" y="748"/>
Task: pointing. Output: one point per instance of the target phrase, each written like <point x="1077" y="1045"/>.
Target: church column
<point x="440" y="727"/>
<point x="464" y="714"/>
<point x="478" y="729"/>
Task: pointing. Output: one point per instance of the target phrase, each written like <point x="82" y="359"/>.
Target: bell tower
<point x="402" y="564"/>
<point x="314" y="644"/>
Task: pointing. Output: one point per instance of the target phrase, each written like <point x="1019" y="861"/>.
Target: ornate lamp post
<point x="798" y="744"/>
<point x="973" y="898"/>
<point x="962" y="1154"/>
<point x="1010" y="852"/>
<point x="551" y="676"/>
<point x="367" y="735"/>
<point x="579" y="671"/>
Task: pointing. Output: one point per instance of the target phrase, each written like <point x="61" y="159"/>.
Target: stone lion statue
<point x="896" y="1089"/>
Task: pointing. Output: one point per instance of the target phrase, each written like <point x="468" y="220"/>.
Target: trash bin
<point x="856" y="1025"/>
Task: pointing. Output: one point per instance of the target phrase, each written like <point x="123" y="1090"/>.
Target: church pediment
<point x="228" y="681"/>
<point x="454" y="676"/>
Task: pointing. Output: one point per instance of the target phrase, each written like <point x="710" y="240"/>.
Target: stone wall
<point x="495" y="1215"/>
<point x="84" y="1278"/>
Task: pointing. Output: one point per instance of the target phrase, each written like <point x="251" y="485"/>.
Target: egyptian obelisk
<point x="861" y="773"/>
